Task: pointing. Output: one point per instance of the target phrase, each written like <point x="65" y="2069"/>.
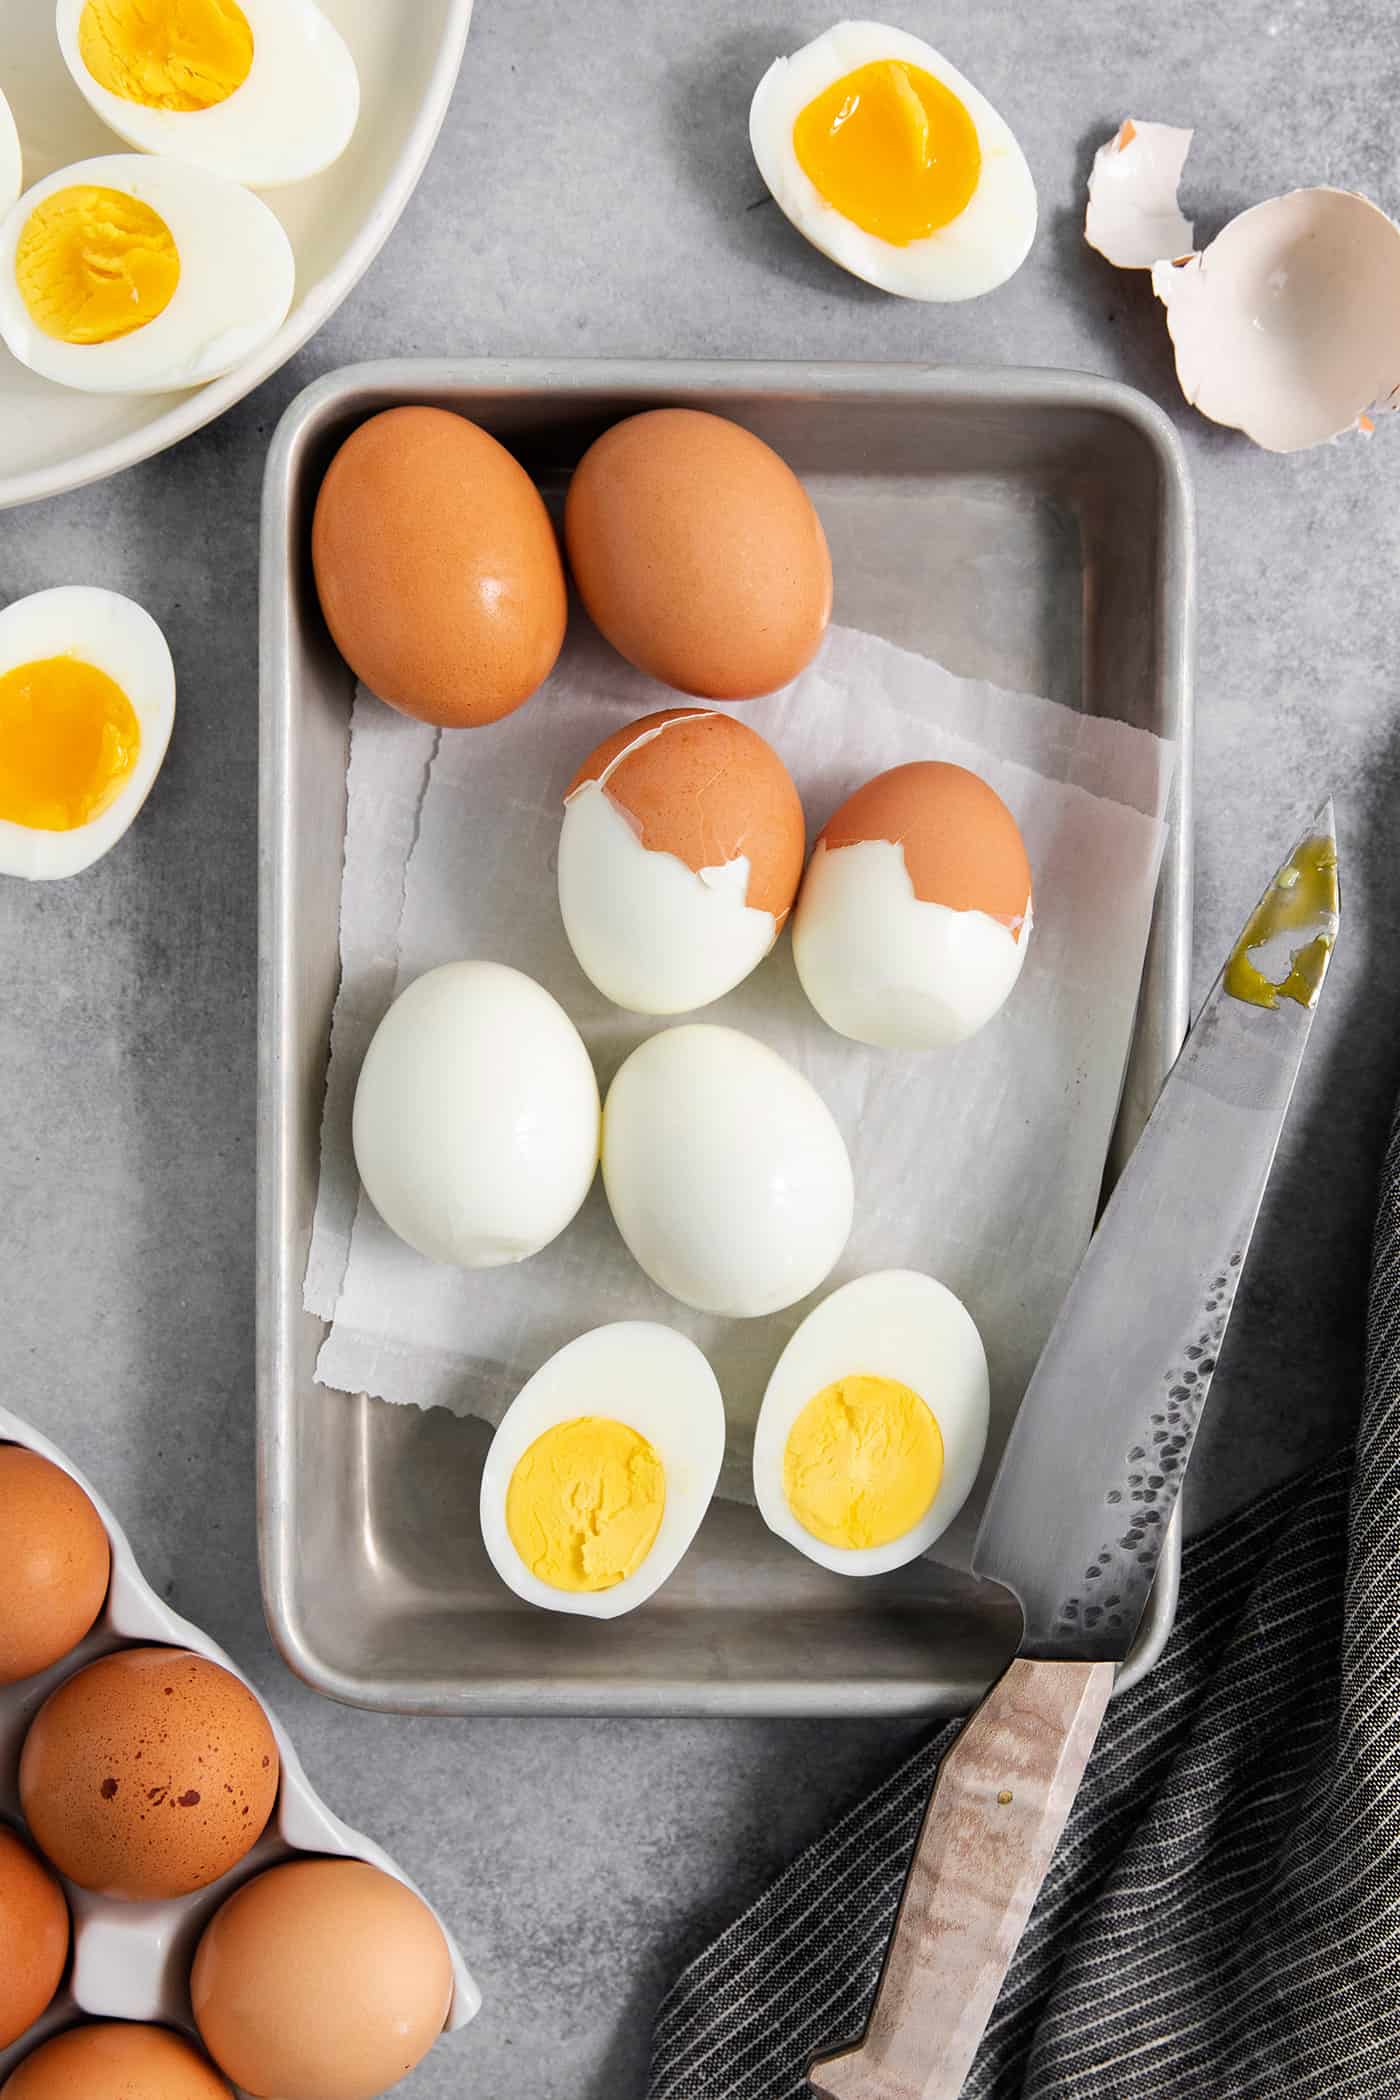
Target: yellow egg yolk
<point x="69" y="738"/>
<point x="890" y="148"/>
<point x="862" y="1462"/>
<point x="179" y="55"/>
<point x="93" y="264"/>
<point x="585" y="1503"/>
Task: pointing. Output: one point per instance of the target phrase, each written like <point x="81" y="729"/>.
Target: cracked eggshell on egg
<point x="1133" y="218"/>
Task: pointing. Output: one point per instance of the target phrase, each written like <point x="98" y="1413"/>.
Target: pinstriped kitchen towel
<point x="1222" y="1918"/>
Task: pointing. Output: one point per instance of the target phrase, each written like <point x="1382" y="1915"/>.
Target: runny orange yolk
<point x="890" y="148"/>
<point x="69" y="739"/>
<point x="179" y="55"/>
<point x="93" y="264"/>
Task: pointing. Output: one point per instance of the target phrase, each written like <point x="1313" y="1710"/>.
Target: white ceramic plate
<point x="408" y="53"/>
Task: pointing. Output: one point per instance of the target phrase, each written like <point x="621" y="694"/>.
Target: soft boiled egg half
<point x="915" y="912"/>
<point x="893" y="164"/>
<point x="679" y="859"/>
<point x="263" y="91"/>
<point x="11" y="177"/>
<point x="602" y="1468"/>
<point x="128" y="275"/>
<point x="87" y="699"/>
<point x="873" y="1424"/>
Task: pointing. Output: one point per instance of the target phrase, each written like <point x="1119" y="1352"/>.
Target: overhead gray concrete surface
<point x="593" y="193"/>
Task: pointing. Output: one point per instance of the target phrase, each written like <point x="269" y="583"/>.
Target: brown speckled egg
<point x="437" y="568"/>
<point x="56" y="1563"/>
<point x="33" y="1937"/>
<point x="115" y="2060"/>
<point x="323" y="1979"/>
<point x="697" y="552"/>
<point x="148" y="1774"/>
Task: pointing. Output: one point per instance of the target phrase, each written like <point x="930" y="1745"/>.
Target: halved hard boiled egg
<point x="11" y="164"/>
<point x="679" y="859"/>
<point x="263" y="91"/>
<point x="915" y="912"/>
<point x="601" y="1470"/>
<point x="893" y="164"/>
<point x="873" y="1424"/>
<point x="87" y="699"/>
<point x="131" y="275"/>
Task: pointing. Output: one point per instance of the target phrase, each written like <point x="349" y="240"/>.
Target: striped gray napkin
<point x="1222" y="1918"/>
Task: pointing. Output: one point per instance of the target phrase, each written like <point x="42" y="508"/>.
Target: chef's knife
<point x="1078" y="1511"/>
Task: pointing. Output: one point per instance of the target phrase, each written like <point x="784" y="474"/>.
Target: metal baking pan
<point x="1032" y="528"/>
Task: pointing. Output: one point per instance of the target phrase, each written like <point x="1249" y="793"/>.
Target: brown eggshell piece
<point x="323" y="1979"/>
<point x="437" y="568"/>
<point x="698" y="554"/>
<point x="55" y="1563"/>
<point x="148" y="1774"/>
<point x="707" y="789"/>
<point x="115" y="2060"/>
<point x="962" y="847"/>
<point x="33" y="1937"/>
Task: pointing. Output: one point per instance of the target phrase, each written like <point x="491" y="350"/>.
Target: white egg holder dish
<point x="131" y="1961"/>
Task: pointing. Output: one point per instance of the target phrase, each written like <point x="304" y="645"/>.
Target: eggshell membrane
<point x="961" y="844"/>
<point x="33" y="1937"/>
<point x="148" y="1774"/>
<point x="1132" y="218"/>
<point x="56" y="1563"/>
<point x="707" y="789"/>
<point x="115" y="2060"/>
<point x="437" y="568"/>
<point x="698" y="554"/>
<point x="1287" y="326"/>
<point x="321" y="1980"/>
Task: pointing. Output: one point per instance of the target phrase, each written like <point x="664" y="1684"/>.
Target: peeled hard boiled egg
<point x="893" y="164"/>
<point x="873" y="1424"/>
<point x="602" y="1468"/>
<point x="727" y="1176"/>
<point x="679" y="858"/>
<point x="915" y="911"/>
<point x="263" y="91"/>
<point x="87" y="700"/>
<point x="131" y="275"/>
<point x="11" y="166"/>
<point x="476" y="1116"/>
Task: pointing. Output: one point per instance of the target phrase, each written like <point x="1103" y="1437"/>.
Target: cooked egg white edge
<point x="659" y="1384"/>
<point x="883" y="967"/>
<point x="726" y="1173"/>
<point x="896" y="1324"/>
<point x="120" y="638"/>
<point x="472" y="1062"/>
<point x="972" y="254"/>
<point x="292" y="116"/>
<point x="219" y="315"/>
<point x="11" y="163"/>
<point x="652" y="934"/>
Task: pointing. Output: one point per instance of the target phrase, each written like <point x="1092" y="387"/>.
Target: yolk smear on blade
<point x="69" y="738"/>
<point x="93" y="264"/>
<point x="862" y="1462"/>
<point x="585" y="1503"/>
<point x="179" y="55"/>
<point x="890" y="148"/>
<point x="1301" y="900"/>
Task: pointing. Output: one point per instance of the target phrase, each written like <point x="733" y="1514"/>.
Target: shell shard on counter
<point x="1133" y="218"/>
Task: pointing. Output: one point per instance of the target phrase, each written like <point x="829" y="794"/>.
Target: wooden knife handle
<point x="999" y="1803"/>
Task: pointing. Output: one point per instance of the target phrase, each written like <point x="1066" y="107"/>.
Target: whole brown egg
<point x="33" y="1937"/>
<point x="437" y="568"/>
<point x="56" y="1563"/>
<point x="115" y="2060"/>
<point x="698" y="554"/>
<point x="148" y="1774"/>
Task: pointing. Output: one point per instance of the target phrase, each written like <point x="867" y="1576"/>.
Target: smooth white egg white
<point x="475" y="1125"/>
<point x="293" y="115"/>
<point x="122" y="639"/>
<point x="11" y="163"/>
<point x="237" y="276"/>
<point x="725" y="1171"/>
<point x="883" y="966"/>
<point x="659" y="1384"/>
<point x="652" y="934"/>
<point x="975" y="252"/>
<point x="894" y="1324"/>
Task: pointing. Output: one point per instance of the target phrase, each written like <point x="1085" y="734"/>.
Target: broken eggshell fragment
<point x="1132" y="217"/>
